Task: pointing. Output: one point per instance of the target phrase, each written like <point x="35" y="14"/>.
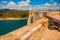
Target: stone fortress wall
<point x="36" y="15"/>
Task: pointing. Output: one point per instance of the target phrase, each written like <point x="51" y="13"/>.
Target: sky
<point x="33" y="2"/>
<point x="15" y="3"/>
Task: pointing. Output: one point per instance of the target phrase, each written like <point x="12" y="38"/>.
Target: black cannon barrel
<point x="53" y="19"/>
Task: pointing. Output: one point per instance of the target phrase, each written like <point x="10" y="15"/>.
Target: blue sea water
<point x="7" y="26"/>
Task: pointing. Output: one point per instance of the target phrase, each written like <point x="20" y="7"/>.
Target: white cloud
<point x="3" y="1"/>
<point x="28" y="0"/>
<point x="11" y="3"/>
<point x="47" y="4"/>
<point x="23" y="7"/>
<point x="23" y="3"/>
<point x="55" y="4"/>
<point x="2" y="6"/>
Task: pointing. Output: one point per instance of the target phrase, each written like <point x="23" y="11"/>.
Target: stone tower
<point x="30" y="18"/>
<point x="34" y="15"/>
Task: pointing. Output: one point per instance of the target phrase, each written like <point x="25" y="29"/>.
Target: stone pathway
<point x="19" y="33"/>
<point x="33" y="32"/>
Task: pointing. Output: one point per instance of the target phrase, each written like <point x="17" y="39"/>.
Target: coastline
<point x="12" y="18"/>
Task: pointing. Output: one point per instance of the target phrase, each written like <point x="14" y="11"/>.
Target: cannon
<point x="53" y="22"/>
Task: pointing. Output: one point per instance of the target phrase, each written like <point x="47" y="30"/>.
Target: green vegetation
<point x="14" y="14"/>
